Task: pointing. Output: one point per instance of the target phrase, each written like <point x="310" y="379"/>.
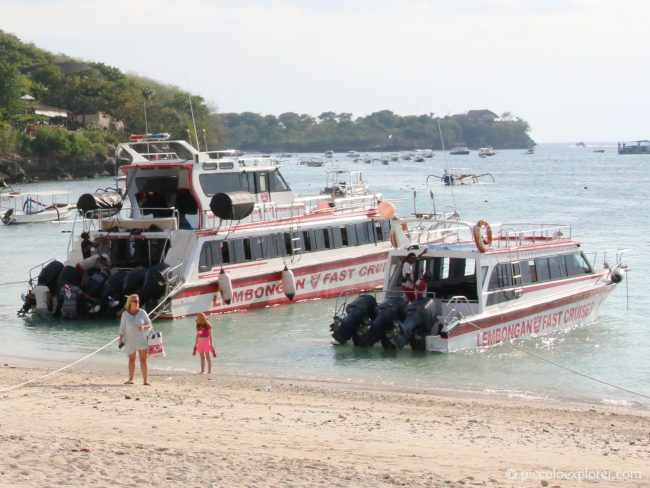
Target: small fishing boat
<point x="313" y="162"/>
<point x="32" y="207"/>
<point x="462" y="176"/>
<point x="478" y="285"/>
<point x="459" y="151"/>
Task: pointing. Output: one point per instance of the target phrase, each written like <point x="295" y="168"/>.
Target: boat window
<point x="280" y="246"/>
<point x="214" y="183"/>
<point x="576" y="265"/>
<point x="307" y="239"/>
<point x="262" y="187"/>
<point x="543" y="272"/>
<point x="362" y="234"/>
<point x="344" y="236"/>
<point x="352" y="234"/>
<point x="319" y="239"/>
<point x="238" y="248"/>
<point x="528" y="271"/>
<point x="501" y="277"/>
<point x="225" y="252"/>
<point x="556" y="267"/>
<point x="247" y="249"/>
<point x="248" y="182"/>
<point x="277" y="183"/>
<point x="456" y="268"/>
<point x="268" y="248"/>
<point x="337" y="237"/>
<point x="256" y="248"/>
<point x="327" y="242"/>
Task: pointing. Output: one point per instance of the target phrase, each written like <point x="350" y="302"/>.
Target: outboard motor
<point x="417" y="324"/>
<point x="134" y="280"/>
<point x="364" y="307"/>
<point x="50" y="274"/>
<point x="154" y="285"/>
<point x="112" y="297"/>
<point x="70" y="275"/>
<point x="106" y="203"/>
<point x="388" y="312"/>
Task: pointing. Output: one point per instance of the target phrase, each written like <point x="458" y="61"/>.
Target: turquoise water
<point x="605" y="197"/>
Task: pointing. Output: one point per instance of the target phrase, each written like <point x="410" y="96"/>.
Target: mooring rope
<point x="9" y="388"/>
<point x="566" y="368"/>
<point x="14" y="282"/>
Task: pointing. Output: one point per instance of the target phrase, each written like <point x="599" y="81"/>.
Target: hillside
<point x="61" y="117"/>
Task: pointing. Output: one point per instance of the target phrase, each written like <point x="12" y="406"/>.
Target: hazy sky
<point x="576" y="70"/>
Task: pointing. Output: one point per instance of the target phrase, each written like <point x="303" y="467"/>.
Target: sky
<point x="575" y="70"/>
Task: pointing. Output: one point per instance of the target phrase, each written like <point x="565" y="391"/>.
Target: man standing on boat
<point x="408" y="282"/>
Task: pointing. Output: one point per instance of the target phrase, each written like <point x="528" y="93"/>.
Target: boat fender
<point x="288" y="283"/>
<point x="6" y="218"/>
<point x="616" y="275"/>
<point x="225" y="286"/>
<point x="483" y="242"/>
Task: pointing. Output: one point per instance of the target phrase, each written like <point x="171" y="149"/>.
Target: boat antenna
<point x="146" y="94"/>
<point x="196" y="135"/>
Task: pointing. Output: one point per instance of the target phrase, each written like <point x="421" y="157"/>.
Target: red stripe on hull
<point x="526" y="311"/>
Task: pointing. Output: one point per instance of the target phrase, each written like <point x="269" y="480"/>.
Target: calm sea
<point x="605" y="197"/>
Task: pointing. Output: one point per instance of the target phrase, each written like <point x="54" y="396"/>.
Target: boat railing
<point x="453" y="310"/>
<point x="153" y="219"/>
<point x="39" y="267"/>
<point x="606" y="259"/>
<point x="524" y="234"/>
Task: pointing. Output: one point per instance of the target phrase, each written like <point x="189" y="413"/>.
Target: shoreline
<point x="38" y="364"/>
<point x="87" y="427"/>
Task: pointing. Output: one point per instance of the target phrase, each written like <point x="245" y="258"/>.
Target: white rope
<point x="9" y="388"/>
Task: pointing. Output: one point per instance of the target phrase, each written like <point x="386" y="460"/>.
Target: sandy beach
<point x="86" y="428"/>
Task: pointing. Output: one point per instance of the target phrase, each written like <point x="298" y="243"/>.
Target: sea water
<point x="605" y="197"/>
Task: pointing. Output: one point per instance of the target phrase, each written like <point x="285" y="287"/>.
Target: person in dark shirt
<point x="86" y="245"/>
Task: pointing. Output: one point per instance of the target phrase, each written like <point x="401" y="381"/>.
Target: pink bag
<point x="155" y="346"/>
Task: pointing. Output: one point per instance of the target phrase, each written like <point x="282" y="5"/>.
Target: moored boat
<point x="228" y="234"/>
<point x="481" y="286"/>
<point x="33" y="207"/>
<point x="635" y="147"/>
<point x="459" y="151"/>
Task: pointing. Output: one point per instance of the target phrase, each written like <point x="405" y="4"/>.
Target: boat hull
<point x="324" y="280"/>
<point x="38" y="217"/>
<point x="532" y="320"/>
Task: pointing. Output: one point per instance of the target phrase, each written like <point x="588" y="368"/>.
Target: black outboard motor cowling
<point x="413" y="329"/>
<point x="134" y="280"/>
<point x="154" y="284"/>
<point x="391" y="310"/>
<point x="49" y="275"/>
<point x="363" y="307"/>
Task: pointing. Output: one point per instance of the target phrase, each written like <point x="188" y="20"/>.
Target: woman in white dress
<point x="134" y="328"/>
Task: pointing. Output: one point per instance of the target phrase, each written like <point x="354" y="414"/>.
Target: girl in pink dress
<point x="203" y="343"/>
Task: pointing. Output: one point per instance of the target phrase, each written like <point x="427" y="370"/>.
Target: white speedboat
<point x="223" y="234"/>
<point x="486" y="152"/>
<point x="479" y="286"/>
<point x="32" y="207"/>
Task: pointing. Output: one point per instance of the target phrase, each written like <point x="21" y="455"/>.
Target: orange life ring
<point x="482" y="243"/>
